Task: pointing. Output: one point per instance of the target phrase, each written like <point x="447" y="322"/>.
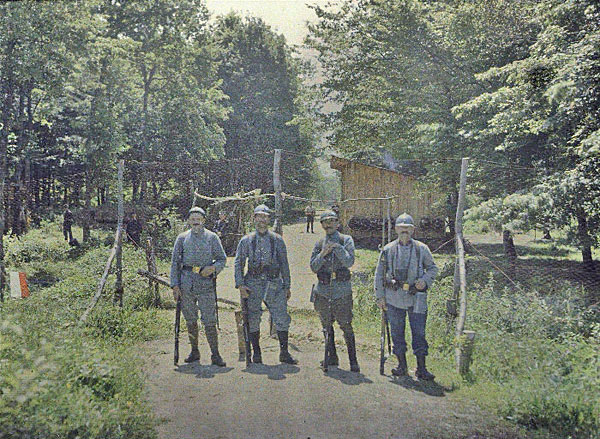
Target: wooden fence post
<point x="277" y="187"/>
<point x="389" y="223"/>
<point x="461" y="349"/>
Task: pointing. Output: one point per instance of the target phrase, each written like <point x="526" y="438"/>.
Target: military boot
<point x="193" y="336"/>
<point x="213" y="342"/>
<point x="351" y="345"/>
<point x="284" y="355"/>
<point x="402" y="369"/>
<point x="256" y="352"/>
<point x="333" y="356"/>
<point x="422" y="373"/>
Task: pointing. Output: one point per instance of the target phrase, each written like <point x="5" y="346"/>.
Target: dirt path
<point x="283" y="401"/>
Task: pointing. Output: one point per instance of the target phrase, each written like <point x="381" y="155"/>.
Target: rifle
<point x="177" y="327"/>
<point x="246" y="329"/>
<point x="214" y="281"/>
<point x="385" y="329"/>
<point x="327" y="332"/>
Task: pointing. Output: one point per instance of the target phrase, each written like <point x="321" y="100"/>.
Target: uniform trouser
<point x="198" y="295"/>
<point x="336" y="310"/>
<point x="310" y="223"/>
<point x="68" y="234"/>
<point x="272" y="293"/>
<point x="397" y="318"/>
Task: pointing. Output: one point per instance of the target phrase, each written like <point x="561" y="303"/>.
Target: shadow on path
<point x="347" y="377"/>
<point x="274" y="372"/>
<point x="202" y="371"/>
<point x="430" y="388"/>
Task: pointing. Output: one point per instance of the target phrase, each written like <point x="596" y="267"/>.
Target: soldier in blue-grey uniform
<point x="198" y="257"/>
<point x="266" y="280"/>
<point x="331" y="259"/>
<point x="405" y="271"/>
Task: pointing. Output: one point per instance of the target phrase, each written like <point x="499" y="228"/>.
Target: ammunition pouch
<point x="340" y="275"/>
<point x="396" y="284"/>
<point x="392" y="284"/>
<point x="268" y="271"/>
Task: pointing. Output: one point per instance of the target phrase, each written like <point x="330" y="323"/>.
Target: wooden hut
<point x="363" y="218"/>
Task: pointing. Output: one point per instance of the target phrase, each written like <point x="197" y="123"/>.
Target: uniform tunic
<point x="264" y="288"/>
<point x="395" y="258"/>
<point x="333" y="302"/>
<point x="197" y="250"/>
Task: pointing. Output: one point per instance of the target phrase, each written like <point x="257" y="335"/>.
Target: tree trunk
<point x="585" y="241"/>
<point x="16" y="205"/>
<point x="452" y="206"/>
<point x="88" y="208"/>
<point x="155" y="190"/>
<point x="7" y="92"/>
<point x="134" y="187"/>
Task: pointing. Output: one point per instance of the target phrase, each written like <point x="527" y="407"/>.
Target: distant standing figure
<point x="310" y="218"/>
<point x="67" y="223"/>
<point x="221" y="224"/>
<point x="134" y="229"/>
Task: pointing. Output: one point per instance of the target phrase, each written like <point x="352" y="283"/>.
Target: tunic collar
<point x="335" y="235"/>
<point x="199" y="234"/>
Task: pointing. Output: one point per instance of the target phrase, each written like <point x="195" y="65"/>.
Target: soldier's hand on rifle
<point x="176" y="293"/>
<point x="327" y="249"/>
<point x="244" y="292"/>
<point x="381" y="304"/>
<point x="208" y="271"/>
<point x="420" y="285"/>
<point x="288" y="294"/>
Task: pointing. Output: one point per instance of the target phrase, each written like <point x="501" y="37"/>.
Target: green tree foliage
<point x="398" y="68"/>
<point x="175" y="110"/>
<point x="545" y="109"/>
<point x="261" y="79"/>
<point x="513" y="84"/>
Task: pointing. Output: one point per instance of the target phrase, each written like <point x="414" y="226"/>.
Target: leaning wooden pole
<point x="102" y="282"/>
<point x="119" y="256"/>
<point x="277" y="187"/>
<point x="462" y="360"/>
